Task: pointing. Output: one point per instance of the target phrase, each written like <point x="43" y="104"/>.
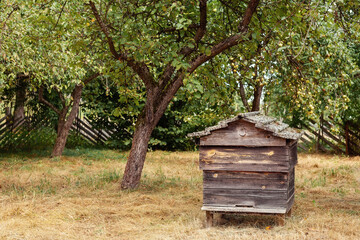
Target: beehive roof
<point x="277" y="128"/>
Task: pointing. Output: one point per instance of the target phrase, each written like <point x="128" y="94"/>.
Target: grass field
<point x="78" y="197"/>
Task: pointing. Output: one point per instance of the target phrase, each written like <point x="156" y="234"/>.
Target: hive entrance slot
<point x="244" y="205"/>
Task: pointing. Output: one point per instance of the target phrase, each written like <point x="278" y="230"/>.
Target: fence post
<point x="8" y="117"/>
<point x="347" y="138"/>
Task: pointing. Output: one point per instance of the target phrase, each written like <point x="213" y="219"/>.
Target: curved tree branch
<point x="15" y="8"/>
<point x="203" y="21"/>
<point x="62" y="10"/>
<point x="92" y="77"/>
<point x="44" y="101"/>
<point x="229" y="42"/>
<point x="139" y="67"/>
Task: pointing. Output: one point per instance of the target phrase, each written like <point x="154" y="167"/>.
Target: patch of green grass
<point x="340" y="171"/>
<point x="96" y="181"/>
<point x="92" y="154"/>
<point x="159" y="181"/>
<point x="44" y="187"/>
<point x="302" y="195"/>
<point x="340" y="191"/>
<point x="32" y="154"/>
<point x="319" y="181"/>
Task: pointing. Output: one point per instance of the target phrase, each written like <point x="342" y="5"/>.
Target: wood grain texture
<point x="290" y="203"/>
<point x="246" y="180"/>
<point x="259" y="159"/>
<point x="209" y="219"/>
<point x="246" y="198"/>
<point x="228" y="209"/>
<point x="241" y="133"/>
<point x="262" y="190"/>
<point x="293" y="155"/>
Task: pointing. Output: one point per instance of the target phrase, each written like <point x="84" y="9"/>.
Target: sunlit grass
<point x="78" y="197"/>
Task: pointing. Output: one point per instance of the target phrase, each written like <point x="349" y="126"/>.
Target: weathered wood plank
<point x="86" y="136"/>
<point x="302" y="147"/>
<point x="251" y="167"/>
<point x="240" y="193"/>
<point x="253" y="153"/>
<point x="246" y="198"/>
<point x="304" y="140"/>
<point x="95" y="132"/>
<point x="209" y="219"/>
<point x="325" y="140"/>
<point x="259" y="159"/>
<point x="241" y="133"/>
<point x="246" y="180"/>
<point x="290" y="202"/>
<point x="245" y="184"/>
<point x="293" y="155"/>
<point x="247" y="175"/>
<point x="228" y="209"/>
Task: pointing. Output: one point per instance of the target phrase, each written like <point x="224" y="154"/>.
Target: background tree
<point x="138" y="33"/>
<point x="49" y="42"/>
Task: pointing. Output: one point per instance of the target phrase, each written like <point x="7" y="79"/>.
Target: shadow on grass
<point x="261" y="221"/>
<point x="93" y="154"/>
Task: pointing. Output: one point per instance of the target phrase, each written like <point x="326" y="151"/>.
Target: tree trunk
<point x="19" y="112"/>
<point x="243" y="96"/>
<point x="62" y="134"/>
<point x="257" y="98"/>
<point x="147" y="121"/>
<point x="136" y="159"/>
<point x="65" y="123"/>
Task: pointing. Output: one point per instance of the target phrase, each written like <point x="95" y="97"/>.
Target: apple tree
<point x="50" y="43"/>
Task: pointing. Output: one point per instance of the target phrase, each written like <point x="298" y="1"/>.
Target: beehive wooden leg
<point x="288" y="214"/>
<point x="281" y="218"/>
<point x="209" y="219"/>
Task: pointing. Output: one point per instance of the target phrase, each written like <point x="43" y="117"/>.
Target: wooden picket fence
<point x="317" y="136"/>
<point x="23" y="132"/>
<point x="88" y="132"/>
<point x="30" y="130"/>
<point x="320" y="137"/>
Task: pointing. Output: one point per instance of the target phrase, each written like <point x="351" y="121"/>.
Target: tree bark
<point x="154" y="109"/>
<point x="19" y="112"/>
<point x="257" y="97"/>
<point x="65" y="122"/>
<point x="136" y="159"/>
<point x="8" y="117"/>
<point x="243" y="96"/>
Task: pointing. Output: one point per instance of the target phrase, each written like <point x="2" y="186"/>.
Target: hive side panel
<point x="246" y="180"/>
<point x="245" y="198"/>
<point x="241" y="133"/>
<point x="246" y="189"/>
<point x="291" y="187"/>
<point x="259" y="159"/>
<point x="293" y="155"/>
<point x="290" y="202"/>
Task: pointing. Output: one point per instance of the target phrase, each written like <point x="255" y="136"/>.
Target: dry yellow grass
<point x="78" y="197"/>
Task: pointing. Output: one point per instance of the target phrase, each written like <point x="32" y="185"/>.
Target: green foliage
<point x="75" y="140"/>
<point x="24" y="139"/>
<point x="314" y="68"/>
<point x="305" y="55"/>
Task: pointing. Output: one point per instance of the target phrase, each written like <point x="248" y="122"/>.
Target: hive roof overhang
<point x="271" y="124"/>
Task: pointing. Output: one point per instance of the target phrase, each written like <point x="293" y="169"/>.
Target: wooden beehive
<point x="248" y="165"/>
